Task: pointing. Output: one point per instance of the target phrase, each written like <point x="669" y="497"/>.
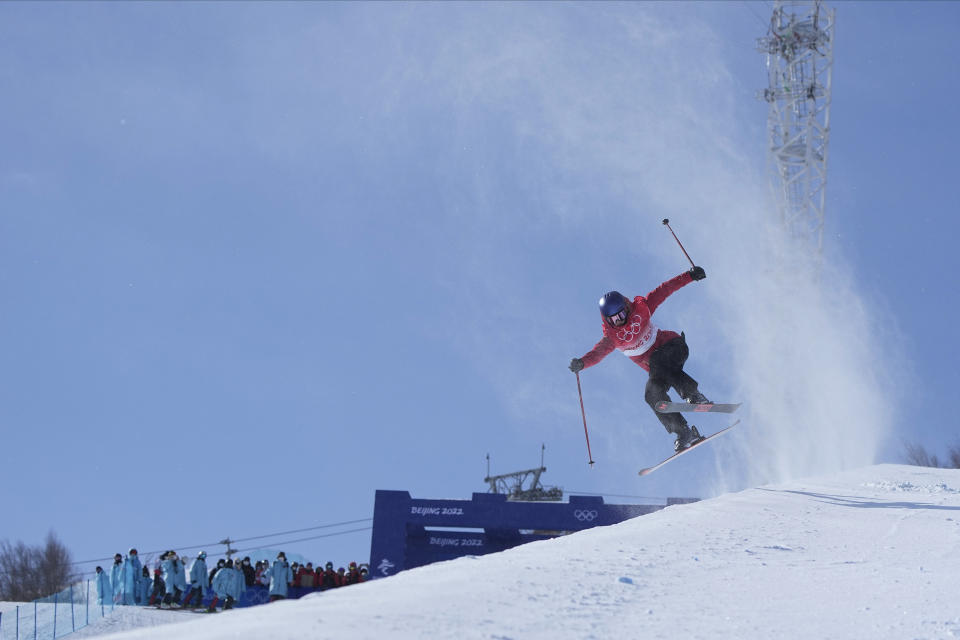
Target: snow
<point x="868" y="553"/>
<point x="124" y="618"/>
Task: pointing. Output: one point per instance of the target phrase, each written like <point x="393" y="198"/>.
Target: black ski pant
<point x="666" y="370"/>
<point x="195" y="593"/>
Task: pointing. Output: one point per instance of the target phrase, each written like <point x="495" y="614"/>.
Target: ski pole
<point x="666" y="221"/>
<point x="584" y="414"/>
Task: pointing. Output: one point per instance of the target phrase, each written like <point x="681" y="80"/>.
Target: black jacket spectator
<point x="249" y="574"/>
<point x="330" y="578"/>
<point x="221" y="563"/>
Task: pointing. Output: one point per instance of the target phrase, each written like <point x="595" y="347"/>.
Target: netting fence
<point x="53" y="616"/>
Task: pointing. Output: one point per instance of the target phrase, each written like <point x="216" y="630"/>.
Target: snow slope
<point x="870" y="553"/>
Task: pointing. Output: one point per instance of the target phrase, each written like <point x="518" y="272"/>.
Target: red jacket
<point x="638" y="337"/>
<point x="305" y="577"/>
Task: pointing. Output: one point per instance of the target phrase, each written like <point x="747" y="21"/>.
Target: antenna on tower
<point x="230" y="551"/>
<point x="799" y="48"/>
<point x="512" y="484"/>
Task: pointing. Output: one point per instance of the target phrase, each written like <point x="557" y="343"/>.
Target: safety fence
<point x="76" y="607"/>
<point x="53" y="616"/>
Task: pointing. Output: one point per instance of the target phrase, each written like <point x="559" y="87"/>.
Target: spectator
<point x="262" y="577"/>
<point x="198" y="581"/>
<point x="280" y="577"/>
<point x="353" y="574"/>
<point x="158" y="587"/>
<point x="330" y="580"/>
<point x="306" y="577"/>
<point x="181" y="584"/>
<point x="115" y="576"/>
<point x="170" y="565"/>
<point x="221" y="563"/>
<point x="104" y="588"/>
<point x="363" y="573"/>
<point x="341" y="577"/>
<point x="249" y="575"/>
<point x="228" y="584"/>
<point x="144" y="585"/>
<point x="130" y="574"/>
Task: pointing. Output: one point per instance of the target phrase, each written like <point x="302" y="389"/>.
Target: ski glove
<point x="697" y="273"/>
<point x="576" y="365"/>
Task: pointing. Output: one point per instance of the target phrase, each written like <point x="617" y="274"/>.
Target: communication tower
<point x="799" y="48"/>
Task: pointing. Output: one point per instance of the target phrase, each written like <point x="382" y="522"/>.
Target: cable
<point x="146" y="553"/>
<point x="269" y="535"/>
<point x="283" y="533"/>
<point x="325" y="535"/>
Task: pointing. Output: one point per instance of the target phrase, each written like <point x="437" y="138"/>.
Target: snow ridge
<point x="869" y="553"/>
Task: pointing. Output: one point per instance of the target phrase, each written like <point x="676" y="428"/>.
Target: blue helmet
<point x="612" y="303"/>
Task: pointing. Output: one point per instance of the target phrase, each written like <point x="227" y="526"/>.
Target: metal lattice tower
<point x="799" y="48"/>
<point x="512" y="484"/>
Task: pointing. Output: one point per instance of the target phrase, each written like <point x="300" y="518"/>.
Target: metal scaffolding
<point x="799" y="48"/>
<point x="512" y="484"/>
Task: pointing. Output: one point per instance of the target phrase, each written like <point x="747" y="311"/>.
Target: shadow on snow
<point x="862" y="503"/>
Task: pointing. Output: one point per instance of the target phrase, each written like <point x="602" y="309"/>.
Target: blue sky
<point x="260" y="260"/>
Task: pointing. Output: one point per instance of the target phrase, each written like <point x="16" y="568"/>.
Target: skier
<point x="627" y="327"/>
<point x="198" y="581"/>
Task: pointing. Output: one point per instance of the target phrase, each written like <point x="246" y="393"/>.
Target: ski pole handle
<point x="584" y="414"/>
<point x="666" y="221"/>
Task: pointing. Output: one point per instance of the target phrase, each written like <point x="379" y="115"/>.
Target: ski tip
<point x="703" y="439"/>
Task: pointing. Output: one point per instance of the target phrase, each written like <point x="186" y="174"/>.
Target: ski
<point x="707" y="407"/>
<point x="649" y="470"/>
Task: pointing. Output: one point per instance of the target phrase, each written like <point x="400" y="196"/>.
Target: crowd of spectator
<point x="304" y="575"/>
<point x="129" y="582"/>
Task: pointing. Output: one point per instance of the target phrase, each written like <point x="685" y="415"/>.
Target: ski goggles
<point x="618" y="318"/>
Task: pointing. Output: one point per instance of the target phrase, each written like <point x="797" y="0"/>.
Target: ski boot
<point x="689" y="436"/>
<point x="697" y="398"/>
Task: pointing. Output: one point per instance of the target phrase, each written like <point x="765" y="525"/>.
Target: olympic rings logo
<point x="584" y="515"/>
<point x="628" y="333"/>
